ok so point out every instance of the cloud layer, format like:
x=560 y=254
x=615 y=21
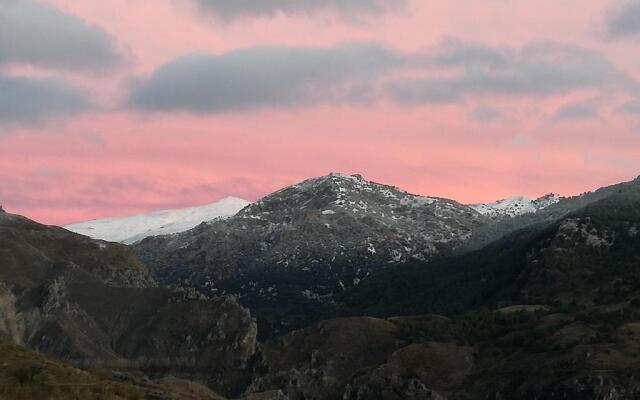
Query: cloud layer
x=229 y=10
x=37 y=34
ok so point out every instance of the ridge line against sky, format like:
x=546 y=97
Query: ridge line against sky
x=104 y=112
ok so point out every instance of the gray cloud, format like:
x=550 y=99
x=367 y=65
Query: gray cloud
x=265 y=77
x=576 y=111
x=26 y=101
x=459 y=70
x=37 y=34
x=229 y=10
x=630 y=107
x=454 y=71
x=625 y=20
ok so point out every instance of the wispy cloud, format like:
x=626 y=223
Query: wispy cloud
x=534 y=70
x=576 y=111
x=630 y=107
x=624 y=20
x=485 y=113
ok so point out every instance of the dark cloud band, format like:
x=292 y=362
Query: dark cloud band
x=265 y=77
x=625 y=20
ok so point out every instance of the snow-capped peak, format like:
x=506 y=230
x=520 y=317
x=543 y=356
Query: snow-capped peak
x=516 y=205
x=135 y=228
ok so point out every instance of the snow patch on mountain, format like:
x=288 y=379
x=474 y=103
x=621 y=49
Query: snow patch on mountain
x=516 y=205
x=135 y=228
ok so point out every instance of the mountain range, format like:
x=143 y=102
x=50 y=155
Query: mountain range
x=338 y=287
x=131 y=229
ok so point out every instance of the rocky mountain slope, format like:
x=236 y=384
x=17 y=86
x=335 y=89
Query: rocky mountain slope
x=599 y=235
x=287 y=254
x=93 y=303
x=134 y=228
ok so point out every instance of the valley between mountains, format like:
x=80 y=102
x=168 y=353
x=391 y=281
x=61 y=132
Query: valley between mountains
x=334 y=288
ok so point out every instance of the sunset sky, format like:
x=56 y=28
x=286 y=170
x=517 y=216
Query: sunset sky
x=110 y=108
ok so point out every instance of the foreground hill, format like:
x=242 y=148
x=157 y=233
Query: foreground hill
x=286 y=255
x=92 y=302
x=134 y=228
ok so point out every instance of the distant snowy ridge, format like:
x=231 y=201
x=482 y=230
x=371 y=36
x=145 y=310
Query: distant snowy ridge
x=516 y=205
x=135 y=228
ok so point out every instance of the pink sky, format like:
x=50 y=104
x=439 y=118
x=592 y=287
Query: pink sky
x=115 y=160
